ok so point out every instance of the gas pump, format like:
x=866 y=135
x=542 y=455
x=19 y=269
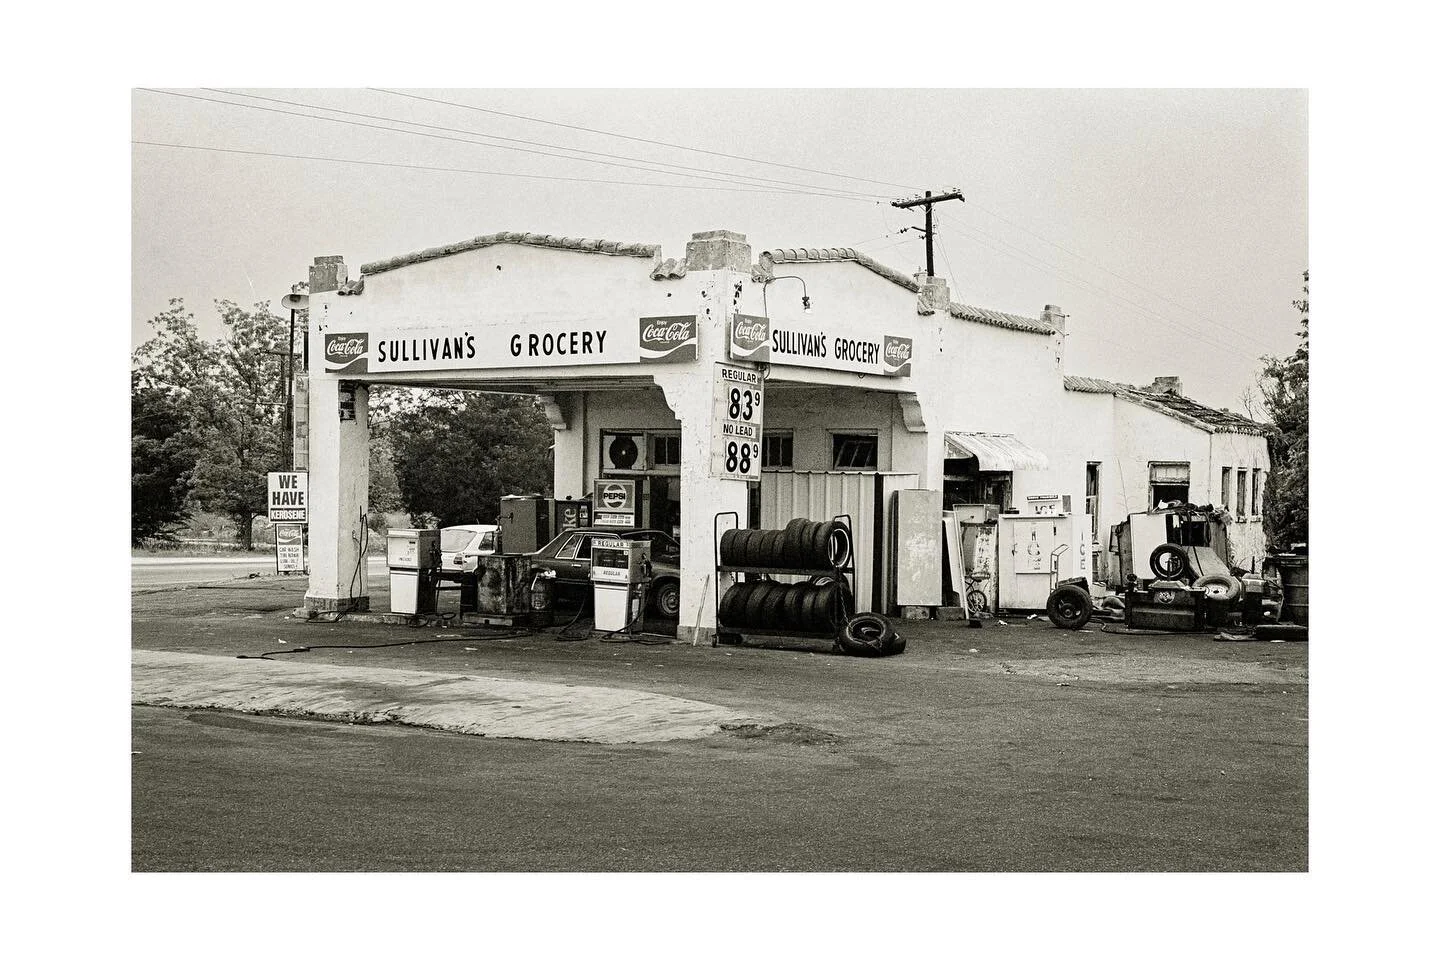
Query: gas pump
x=413 y=557
x=619 y=573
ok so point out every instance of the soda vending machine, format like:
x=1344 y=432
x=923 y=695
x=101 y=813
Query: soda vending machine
x=1036 y=552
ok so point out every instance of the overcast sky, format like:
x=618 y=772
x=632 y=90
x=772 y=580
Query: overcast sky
x=1170 y=225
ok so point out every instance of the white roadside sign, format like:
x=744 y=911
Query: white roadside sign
x=289 y=548
x=737 y=423
x=287 y=497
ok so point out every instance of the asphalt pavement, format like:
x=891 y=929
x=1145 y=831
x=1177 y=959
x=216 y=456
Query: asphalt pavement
x=1015 y=748
x=161 y=571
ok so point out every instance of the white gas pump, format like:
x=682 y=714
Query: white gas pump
x=619 y=573
x=413 y=557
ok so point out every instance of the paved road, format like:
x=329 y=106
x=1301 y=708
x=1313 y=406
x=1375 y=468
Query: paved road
x=166 y=571
x=1019 y=749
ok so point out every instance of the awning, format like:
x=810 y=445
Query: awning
x=996 y=451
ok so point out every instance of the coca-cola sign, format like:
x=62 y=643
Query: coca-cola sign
x=898 y=351
x=667 y=339
x=750 y=338
x=347 y=352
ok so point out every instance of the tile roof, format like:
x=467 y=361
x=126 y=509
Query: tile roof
x=1172 y=405
x=608 y=247
x=1009 y=321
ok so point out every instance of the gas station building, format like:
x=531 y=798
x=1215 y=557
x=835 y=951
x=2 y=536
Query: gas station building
x=792 y=382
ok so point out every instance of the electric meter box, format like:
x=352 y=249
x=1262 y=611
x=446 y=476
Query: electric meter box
x=613 y=560
x=413 y=550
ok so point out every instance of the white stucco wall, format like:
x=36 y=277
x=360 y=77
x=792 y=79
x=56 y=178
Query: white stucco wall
x=966 y=376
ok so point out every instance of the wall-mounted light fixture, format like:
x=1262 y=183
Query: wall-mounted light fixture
x=804 y=293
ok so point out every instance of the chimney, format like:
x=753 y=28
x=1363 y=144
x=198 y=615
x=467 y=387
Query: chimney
x=718 y=250
x=328 y=273
x=933 y=295
x=1056 y=320
x=1167 y=385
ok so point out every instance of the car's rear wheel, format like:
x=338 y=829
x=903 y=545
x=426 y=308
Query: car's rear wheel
x=667 y=598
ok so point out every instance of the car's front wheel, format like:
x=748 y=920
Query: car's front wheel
x=667 y=598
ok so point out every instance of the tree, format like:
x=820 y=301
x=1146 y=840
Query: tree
x=456 y=454
x=1285 y=388
x=232 y=394
x=162 y=462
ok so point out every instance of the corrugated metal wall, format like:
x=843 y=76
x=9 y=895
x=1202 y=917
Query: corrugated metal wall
x=785 y=495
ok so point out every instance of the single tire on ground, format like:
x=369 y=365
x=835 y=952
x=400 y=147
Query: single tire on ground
x=869 y=635
x=1170 y=562
x=1069 y=607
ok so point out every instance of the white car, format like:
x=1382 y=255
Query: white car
x=462 y=547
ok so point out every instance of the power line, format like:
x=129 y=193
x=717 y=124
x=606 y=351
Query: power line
x=1031 y=260
x=437 y=136
x=1096 y=263
x=622 y=136
x=486 y=173
x=466 y=106
x=534 y=143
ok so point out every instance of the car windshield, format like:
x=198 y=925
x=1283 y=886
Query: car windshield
x=455 y=539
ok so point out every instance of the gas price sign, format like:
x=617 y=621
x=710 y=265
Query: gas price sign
x=739 y=412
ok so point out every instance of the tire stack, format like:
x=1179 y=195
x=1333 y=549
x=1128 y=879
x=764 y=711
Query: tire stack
x=802 y=545
x=803 y=607
x=822 y=605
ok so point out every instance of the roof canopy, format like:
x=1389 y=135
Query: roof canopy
x=996 y=451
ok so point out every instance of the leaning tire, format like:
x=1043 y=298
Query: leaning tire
x=1219 y=587
x=1169 y=562
x=1069 y=607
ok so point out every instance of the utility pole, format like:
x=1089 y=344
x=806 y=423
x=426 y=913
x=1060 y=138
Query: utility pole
x=295 y=300
x=928 y=202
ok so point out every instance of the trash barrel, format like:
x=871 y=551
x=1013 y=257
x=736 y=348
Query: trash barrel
x=1295 y=582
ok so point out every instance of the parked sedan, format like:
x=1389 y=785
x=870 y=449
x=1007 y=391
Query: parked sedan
x=461 y=548
x=568 y=555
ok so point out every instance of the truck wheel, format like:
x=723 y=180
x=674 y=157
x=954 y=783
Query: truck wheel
x=1069 y=607
x=1169 y=562
x=667 y=599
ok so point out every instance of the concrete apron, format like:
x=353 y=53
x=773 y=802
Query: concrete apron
x=482 y=706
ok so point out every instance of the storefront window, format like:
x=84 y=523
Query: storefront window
x=665 y=450
x=855 y=451
x=777 y=450
x=1169 y=482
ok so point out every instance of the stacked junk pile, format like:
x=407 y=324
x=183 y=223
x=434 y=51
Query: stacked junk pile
x=815 y=600
x=1174 y=575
